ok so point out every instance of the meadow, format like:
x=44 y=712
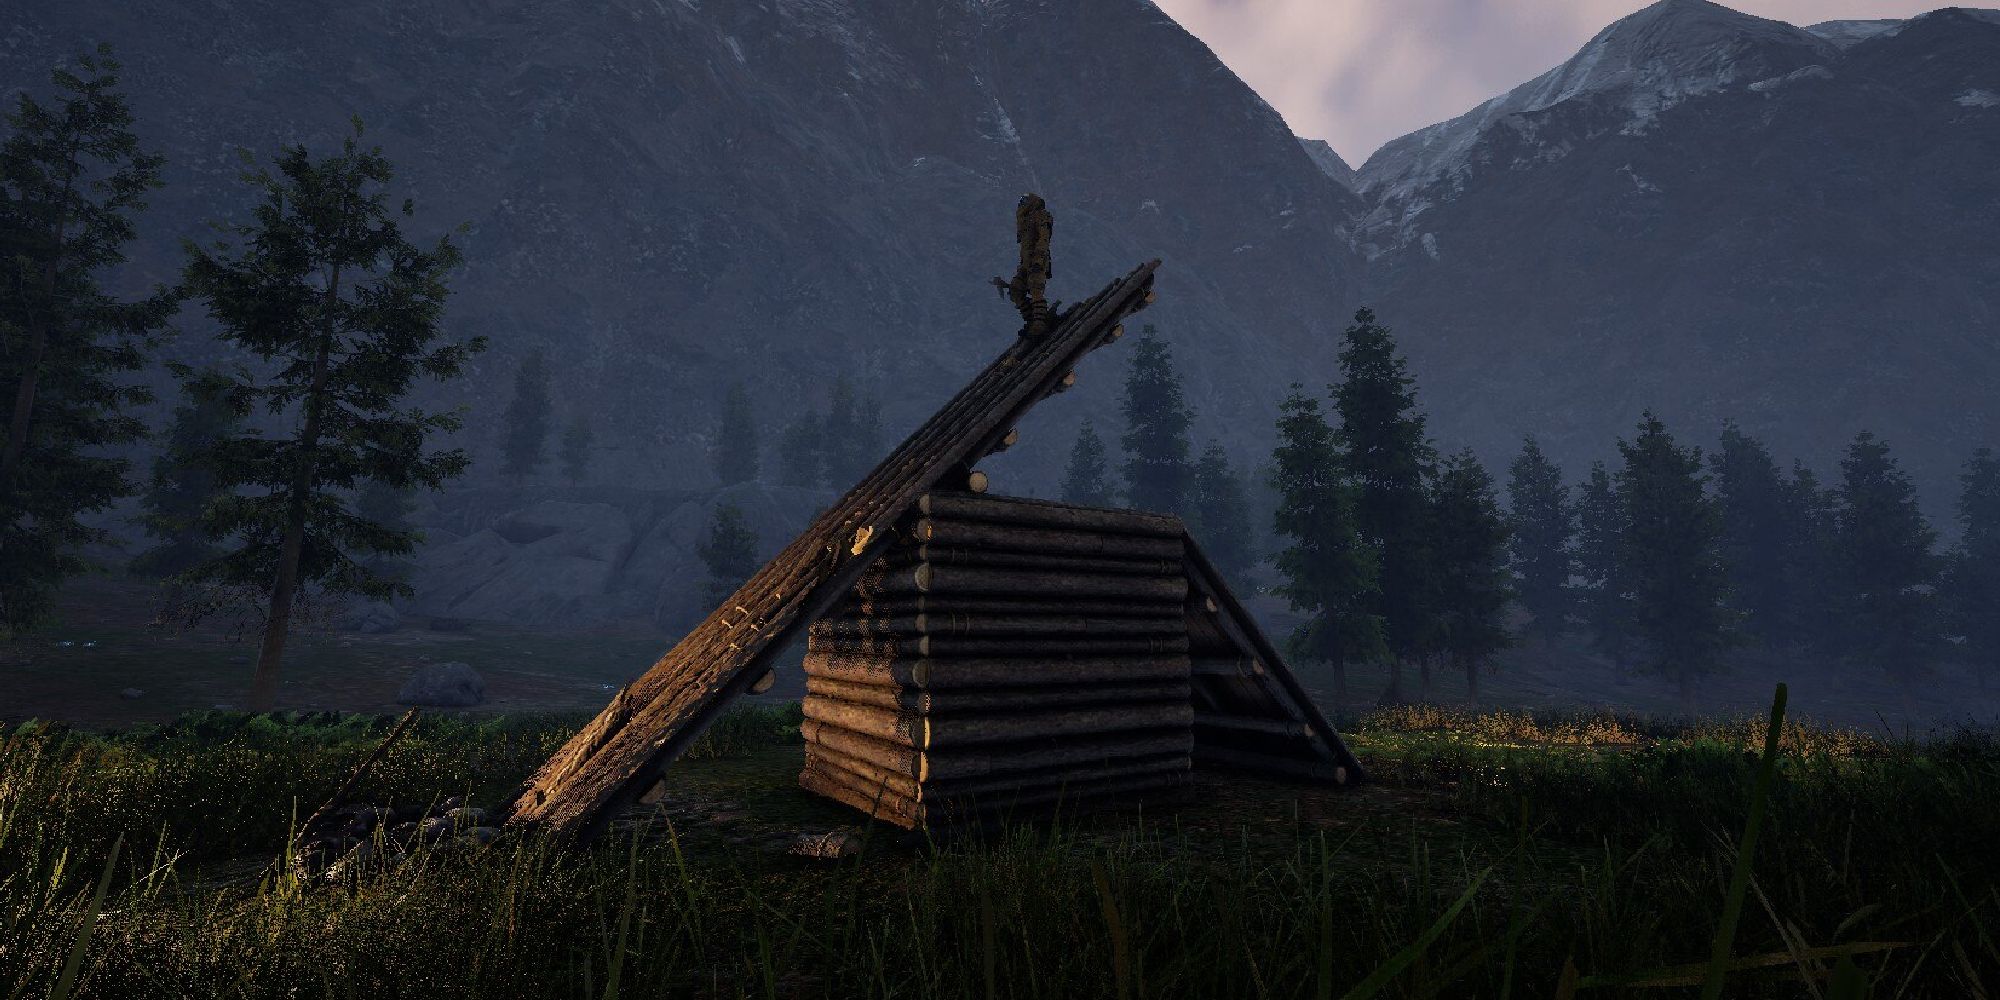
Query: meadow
x=1491 y=855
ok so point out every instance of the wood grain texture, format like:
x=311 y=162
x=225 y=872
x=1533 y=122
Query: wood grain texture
x=649 y=722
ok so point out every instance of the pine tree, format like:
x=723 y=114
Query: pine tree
x=1222 y=518
x=1542 y=524
x=344 y=311
x=1470 y=552
x=1670 y=557
x=1809 y=564
x=1084 y=481
x=527 y=420
x=729 y=552
x=1158 y=476
x=389 y=508
x=839 y=435
x=734 y=450
x=182 y=488
x=1385 y=451
x=1329 y=571
x=577 y=442
x=72 y=176
x=1886 y=568
x=1603 y=596
x=1756 y=535
x=799 y=457
x=1974 y=584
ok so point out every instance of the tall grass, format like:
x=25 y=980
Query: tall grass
x=1481 y=864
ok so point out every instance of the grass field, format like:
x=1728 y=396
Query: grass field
x=1492 y=856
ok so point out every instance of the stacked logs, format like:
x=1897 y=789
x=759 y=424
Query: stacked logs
x=1005 y=654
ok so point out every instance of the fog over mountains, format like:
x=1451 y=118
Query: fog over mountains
x=1702 y=212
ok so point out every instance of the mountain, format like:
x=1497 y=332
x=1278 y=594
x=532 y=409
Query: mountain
x=671 y=194
x=1714 y=216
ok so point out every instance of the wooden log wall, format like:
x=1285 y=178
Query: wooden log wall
x=1004 y=655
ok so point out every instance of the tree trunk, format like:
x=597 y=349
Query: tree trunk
x=38 y=348
x=1685 y=682
x=278 y=623
x=1339 y=682
x=1472 y=678
x=1394 y=694
x=1424 y=678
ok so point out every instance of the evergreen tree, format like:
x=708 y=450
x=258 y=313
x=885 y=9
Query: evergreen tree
x=729 y=552
x=1222 y=518
x=839 y=436
x=1886 y=566
x=734 y=451
x=344 y=311
x=389 y=508
x=799 y=459
x=1670 y=557
x=1541 y=523
x=1085 y=481
x=72 y=176
x=1757 y=532
x=1329 y=570
x=1158 y=476
x=1974 y=584
x=182 y=487
x=1809 y=564
x=1384 y=450
x=1470 y=551
x=577 y=442
x=1601 y=524
x=527 y=420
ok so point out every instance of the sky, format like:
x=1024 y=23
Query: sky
x=1358 y=73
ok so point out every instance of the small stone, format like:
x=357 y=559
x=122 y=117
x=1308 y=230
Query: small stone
x=837 y=844
x=130 y=693
x=466 y=816
x=482 y=835
x=435 y=829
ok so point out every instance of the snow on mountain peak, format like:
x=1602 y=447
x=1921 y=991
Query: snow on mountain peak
x=1641 y=64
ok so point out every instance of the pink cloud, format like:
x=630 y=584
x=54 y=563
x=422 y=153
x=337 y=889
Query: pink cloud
x=1361 y=72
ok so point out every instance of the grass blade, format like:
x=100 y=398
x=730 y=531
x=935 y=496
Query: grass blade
x=74 y=963
x=1739 y=880
x=1411 y=952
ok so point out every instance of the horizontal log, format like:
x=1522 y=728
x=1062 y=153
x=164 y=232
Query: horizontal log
x=912 y=699
x=904 y=605
x=951 y=646
x=1249 y=724
x=888 y=806
x=941 y=675
x=930 y=578
x=1205 y=666
x=1047 y=541
x=952 y=763
x=1001 y=784
x=1113 y=563
x=925 y=731
x=1310 y=768
x=1046 y=514
x=995 y=625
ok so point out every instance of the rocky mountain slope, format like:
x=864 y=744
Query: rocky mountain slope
x=1716 y=216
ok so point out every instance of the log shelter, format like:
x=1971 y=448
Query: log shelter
x=969 y=653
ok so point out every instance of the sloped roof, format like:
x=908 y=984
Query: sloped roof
x=652 y=720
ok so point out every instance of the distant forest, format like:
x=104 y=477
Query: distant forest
x=293 y=476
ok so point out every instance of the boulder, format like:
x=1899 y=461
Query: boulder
x=374 y=618
x=548 y=564
x=444 y=685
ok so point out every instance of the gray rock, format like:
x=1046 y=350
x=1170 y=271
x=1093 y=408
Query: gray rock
x=375 y=618
x=837 y=844
x=444 y=685
x=551 y=563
